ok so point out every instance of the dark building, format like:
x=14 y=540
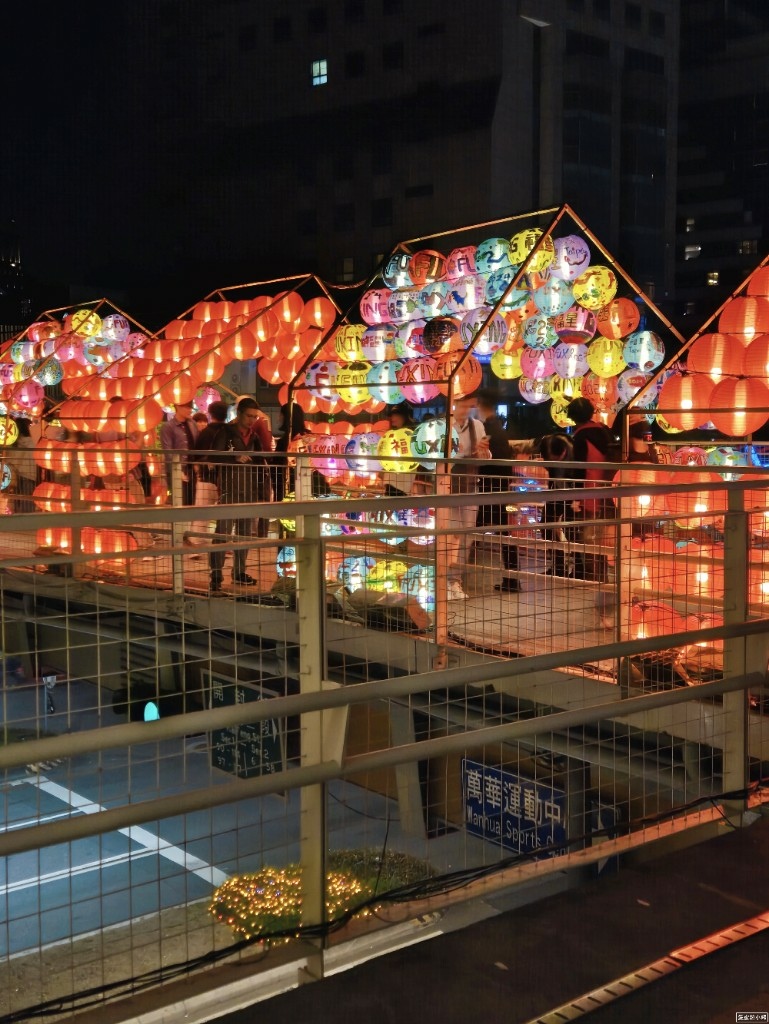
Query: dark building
x=723 y=172
x=15 y=298
x=280 y=138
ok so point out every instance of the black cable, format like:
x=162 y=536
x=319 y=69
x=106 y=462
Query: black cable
x=437 y=885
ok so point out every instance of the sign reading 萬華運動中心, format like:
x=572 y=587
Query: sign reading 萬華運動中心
x=520 y=814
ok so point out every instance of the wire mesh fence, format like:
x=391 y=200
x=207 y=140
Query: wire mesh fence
x=407 y=701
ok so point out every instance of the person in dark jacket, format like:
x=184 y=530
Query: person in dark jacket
x=592 y=442
x=495 y=476
x=236 y=455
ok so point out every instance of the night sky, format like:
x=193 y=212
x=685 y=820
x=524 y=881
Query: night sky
x=93 y=200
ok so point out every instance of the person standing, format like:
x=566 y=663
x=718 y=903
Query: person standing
x=494 y=477
x=592 y=442
x=237 y=455
x=464 y=480
x=20 y=458
x=178 y=436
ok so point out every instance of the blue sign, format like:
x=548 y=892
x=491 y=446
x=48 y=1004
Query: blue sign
x=521 y=815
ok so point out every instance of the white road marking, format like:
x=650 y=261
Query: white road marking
x=137 y=834
x=77 y=869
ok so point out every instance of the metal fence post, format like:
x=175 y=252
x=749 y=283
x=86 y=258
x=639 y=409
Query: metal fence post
x=311 y=608
x=735 y=706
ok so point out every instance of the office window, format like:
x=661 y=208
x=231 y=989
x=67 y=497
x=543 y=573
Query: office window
x=748 y=247
x=307 y=222
x=317 y=19
x=281 y=30
x=355 y=64
x=320 y=72
x=354 y=10
x=392 y=55
x=656 y=24
x=712 y=278
x=418 y=191
x=381 y=213
x=633 y=16
x=691 y=252
x=344 y=216
x=347 y=270
x=248 y=37
x=690 y=224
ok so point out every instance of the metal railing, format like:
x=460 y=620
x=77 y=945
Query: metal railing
x=345 y=725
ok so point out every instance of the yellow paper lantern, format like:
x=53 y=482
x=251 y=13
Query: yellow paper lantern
x=522 y=243
x=595 y=287
x=605 y=356
x=394 y=451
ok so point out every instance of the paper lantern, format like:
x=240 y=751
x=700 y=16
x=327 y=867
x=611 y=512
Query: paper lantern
x=437 y=335
x=605 y=356
x=484 y=330
x=319 y=312
x=319 y=379
x=400 y=305
x=682 y=392
x=651 y=505
x=492 y=254
x=719 y=355
x=27 y=396
x=563 y=389
x=85 y=322
x=137 y=417
x=648 y=620
x=288 y=308
x=537 y=363
x=54 y=455
x=328 y=455
x=241 y=344
x=417 y=378
x=569 y=360
x=382 y=382
x=350 y=383
x=207 y=368
x=467 y=375
x=52 y=497
x=346 y=341
x=595 y=287
x=429 y=440
x=433 y=298
x=408 y=340
x=539 y=332
x=745 y=317
x=629 y=383
x=264 y=327
x=601 y=391
x=460 y=262
x=506 y=365
x=618 y=318
x=690 y=455
x=360 y=452
x=426 y=266
x=115 y=327
x=724 y=457
x=696 y=506
x=373 y=306
x=498 y=289
x=56 y=538
x=754 y=361
x=395 y=273
x=553 y=297
x=394 y=451
x=352 y=572
x=178 y=390
x=534 y=391
x=644 y=350
x=522 y=244
x=739 y=406
x=571 y=256
x=576 y=326
x=377 y=343
x=43 y=330
x=466 y=293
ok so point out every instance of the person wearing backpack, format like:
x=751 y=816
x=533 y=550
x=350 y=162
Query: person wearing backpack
x=594 y=444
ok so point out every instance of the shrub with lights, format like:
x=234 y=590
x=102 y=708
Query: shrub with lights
x=267 y=905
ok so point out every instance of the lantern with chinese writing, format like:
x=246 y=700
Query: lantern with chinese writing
x=394 y=451
x=522 y=245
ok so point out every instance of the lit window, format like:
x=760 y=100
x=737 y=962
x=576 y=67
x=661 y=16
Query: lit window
x=691 y=252
x=319 y=72
x=348 y=269
x=712 y=277
x=690 y=223
x=748 y=247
